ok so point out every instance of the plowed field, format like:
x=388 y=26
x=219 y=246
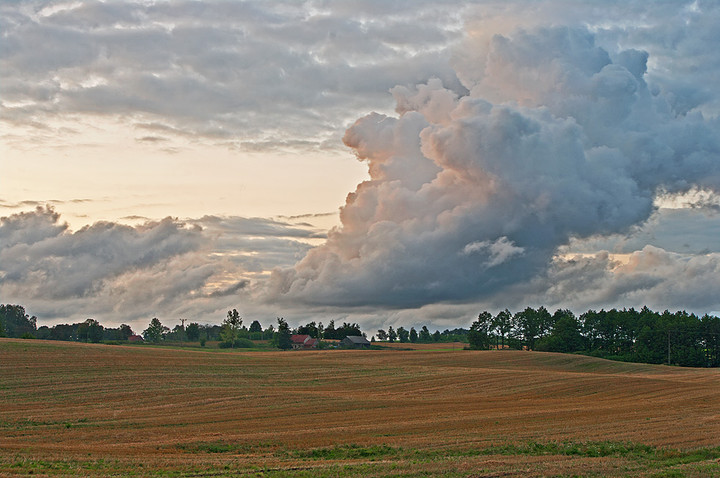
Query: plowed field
x=98 y=410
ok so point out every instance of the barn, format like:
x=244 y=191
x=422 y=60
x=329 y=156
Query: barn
x=355 y=342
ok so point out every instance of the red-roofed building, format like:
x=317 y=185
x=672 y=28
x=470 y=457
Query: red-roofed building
x=301 y=341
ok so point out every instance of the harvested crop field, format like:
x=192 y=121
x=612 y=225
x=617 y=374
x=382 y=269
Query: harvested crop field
x=97 y=410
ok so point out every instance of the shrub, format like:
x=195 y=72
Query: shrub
x=240 y=343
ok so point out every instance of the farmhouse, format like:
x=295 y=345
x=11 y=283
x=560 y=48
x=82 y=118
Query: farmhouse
x=355 y=342
x=300 y=341
x=135 y=338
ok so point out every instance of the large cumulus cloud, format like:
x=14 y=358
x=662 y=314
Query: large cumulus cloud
x=559 y=138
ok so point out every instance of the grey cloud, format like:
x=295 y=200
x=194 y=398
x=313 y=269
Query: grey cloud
x=555 y=141
x=58 y=263
x=118 y=273
x=29 y=228
x=231 y=290
x=310 y=215
x=254 y=73
x=255 y=227
x=651 y=276
x=684 y=231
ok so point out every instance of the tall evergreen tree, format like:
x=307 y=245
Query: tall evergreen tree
x=392 y=335
x=413 y=335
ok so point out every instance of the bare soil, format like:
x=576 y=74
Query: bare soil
x=98 y=410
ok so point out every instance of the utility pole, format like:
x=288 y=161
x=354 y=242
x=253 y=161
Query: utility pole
x=668 y=346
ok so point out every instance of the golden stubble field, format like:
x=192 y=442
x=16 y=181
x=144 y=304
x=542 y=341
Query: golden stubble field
x=98 y=410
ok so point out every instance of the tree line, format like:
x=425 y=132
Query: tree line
x=629 y=335
x=231 y=333
x=632 y=335
x=403 y=335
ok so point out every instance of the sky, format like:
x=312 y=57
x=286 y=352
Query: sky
x=385 y=163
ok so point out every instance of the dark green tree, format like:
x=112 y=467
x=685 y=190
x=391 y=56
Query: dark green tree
x=43 y=333
x=95 y=332
x=155 y=332
x=530 y=324
x=255 y=326
x=479 y=335
x=283 y=334
x=347 y=329
x=382 y=335
x=565 y=337
x=392 y=335
x=177 y=334
x=503 y=324
x=193 y=331
x=310 y=329
x=424 y=335
x=710 y=326
x=231 y=328
x=63 y=332
x=126 y=331
x=403 y=335
x=413 y=335
x=330 y=332
x=90 y=331
x=15 y=322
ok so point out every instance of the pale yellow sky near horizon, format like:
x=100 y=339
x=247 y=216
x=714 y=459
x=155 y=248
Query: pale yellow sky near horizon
x=134 y=180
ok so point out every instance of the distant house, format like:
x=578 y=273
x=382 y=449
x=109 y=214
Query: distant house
x=355 y=342
x=301 y=341
x=135 y=338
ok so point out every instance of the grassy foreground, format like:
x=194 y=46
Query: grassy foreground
x=70 y=409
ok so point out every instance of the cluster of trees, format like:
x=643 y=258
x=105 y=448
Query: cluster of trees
x=631 y=335
x=403 y=335
x=14 y=322
x=319 y=331
x=231 y=333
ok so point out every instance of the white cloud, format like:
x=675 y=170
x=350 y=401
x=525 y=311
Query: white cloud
x=499 y=251
x=555 y=141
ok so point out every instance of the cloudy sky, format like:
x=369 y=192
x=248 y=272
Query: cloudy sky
x=389 y=163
